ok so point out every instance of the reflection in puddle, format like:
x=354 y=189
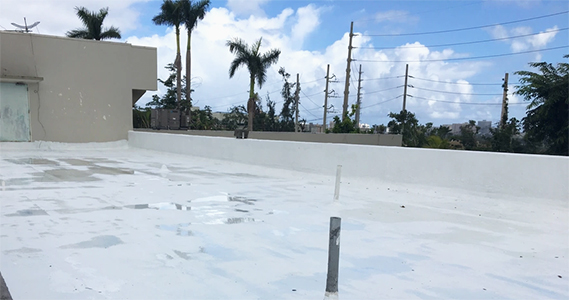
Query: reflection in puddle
x=110 y=171
x=28 y=212
x=33 y=161
x=241 y=199
x=76 y=162
x=183 y=255
x=230 y=221
x=160 y=206
x=102 y=241
x=178 y=229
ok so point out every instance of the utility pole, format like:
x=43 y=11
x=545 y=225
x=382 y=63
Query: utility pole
x=347 y=87
x=504 y=114
x=359 y=102
x=405 y=97
x=297 y=98
x=326 y=98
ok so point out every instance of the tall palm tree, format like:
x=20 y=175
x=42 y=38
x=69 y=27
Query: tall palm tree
x=171 y=15
x=256 y=63
x=192 y=12
x=93 y=22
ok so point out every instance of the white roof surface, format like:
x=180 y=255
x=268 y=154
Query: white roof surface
x=126 y=223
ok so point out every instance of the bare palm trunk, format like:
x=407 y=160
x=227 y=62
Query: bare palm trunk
x=178 y=69
x=251 y=104
x=189 y=75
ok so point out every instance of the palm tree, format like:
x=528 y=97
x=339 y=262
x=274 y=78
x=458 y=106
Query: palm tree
x=256 y=63
x=93 y=22
x=171 y=15
x=192 y=12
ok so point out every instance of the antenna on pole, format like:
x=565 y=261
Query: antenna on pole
x=25 y=27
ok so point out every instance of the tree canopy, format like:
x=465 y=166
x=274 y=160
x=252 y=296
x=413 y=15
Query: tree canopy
x=257 y=65
x=93 y=22
x=545 y=124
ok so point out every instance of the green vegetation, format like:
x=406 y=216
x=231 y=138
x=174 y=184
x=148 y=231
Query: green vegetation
x=93 y=22
x=545 y=125
x=256 y=63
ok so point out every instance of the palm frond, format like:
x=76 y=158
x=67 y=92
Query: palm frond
x=239 y=61
x=78 y=34
x=236 y=45
x=111 y=33
x=193 y=12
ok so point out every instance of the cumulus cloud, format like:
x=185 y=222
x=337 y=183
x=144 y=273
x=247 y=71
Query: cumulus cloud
x=531 y=42
x=398 y=16
x=288 y=30
x=58 y=17
x=247 y=7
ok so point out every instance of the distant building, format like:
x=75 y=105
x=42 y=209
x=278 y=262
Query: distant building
x=484 y=127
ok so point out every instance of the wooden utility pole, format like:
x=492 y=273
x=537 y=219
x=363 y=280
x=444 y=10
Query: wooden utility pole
x=359 y=102
x=405 y=98
x=504 y=114
x=348 y=67
x=326 y=98
x=297 y=98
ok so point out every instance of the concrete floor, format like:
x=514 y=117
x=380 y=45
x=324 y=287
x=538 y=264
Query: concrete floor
x=136 y=224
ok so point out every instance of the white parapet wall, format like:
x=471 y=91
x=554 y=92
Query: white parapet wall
x=536 y=176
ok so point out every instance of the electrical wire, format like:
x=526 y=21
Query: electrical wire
x=380 y=78
x=422 y=12
x=388 y=89
x=308 y=98
x=306 y=110
x=465 y=43
x=465 y=103
x=468 y=28
x=459 y=83
x=456 y=93
x=462 y=58
x=375 y=104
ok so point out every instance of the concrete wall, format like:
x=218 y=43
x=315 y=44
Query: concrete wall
x=513 y=174
x=356 y=139
x=79 y=90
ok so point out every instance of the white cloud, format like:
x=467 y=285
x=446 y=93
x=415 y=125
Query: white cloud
x=58 y=17
x=531 y=42
x=247 y=7
x=397 y=16
x=288 y=31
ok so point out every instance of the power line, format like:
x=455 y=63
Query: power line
x=306 y=110
x=463 y=58
x=308 y=98
x=456 y=93
x=467 y=103
x=467 y=28
x=459 y=83
x=466 y=43
x=421 y=12
x=388 y=89
x=380 y=78
x=382 y=102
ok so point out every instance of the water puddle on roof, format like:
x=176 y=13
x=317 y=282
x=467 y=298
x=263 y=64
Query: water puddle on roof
x=160 y=206
x=33 y=161
x=27 y=213
x=102 y=241
x=230 y=221
x=179 y=229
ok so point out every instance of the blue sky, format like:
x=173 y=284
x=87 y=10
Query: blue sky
x=312 y=34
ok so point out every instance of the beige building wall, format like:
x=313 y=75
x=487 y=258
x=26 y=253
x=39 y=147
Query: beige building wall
x=334 y=138
x=79 y=90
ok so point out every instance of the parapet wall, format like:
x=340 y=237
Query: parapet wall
x=485 y=172
x=343 y=138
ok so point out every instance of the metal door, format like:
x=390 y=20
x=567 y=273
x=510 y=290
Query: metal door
x=14 y=113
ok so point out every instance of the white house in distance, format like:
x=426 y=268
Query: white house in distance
x=70 y=90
